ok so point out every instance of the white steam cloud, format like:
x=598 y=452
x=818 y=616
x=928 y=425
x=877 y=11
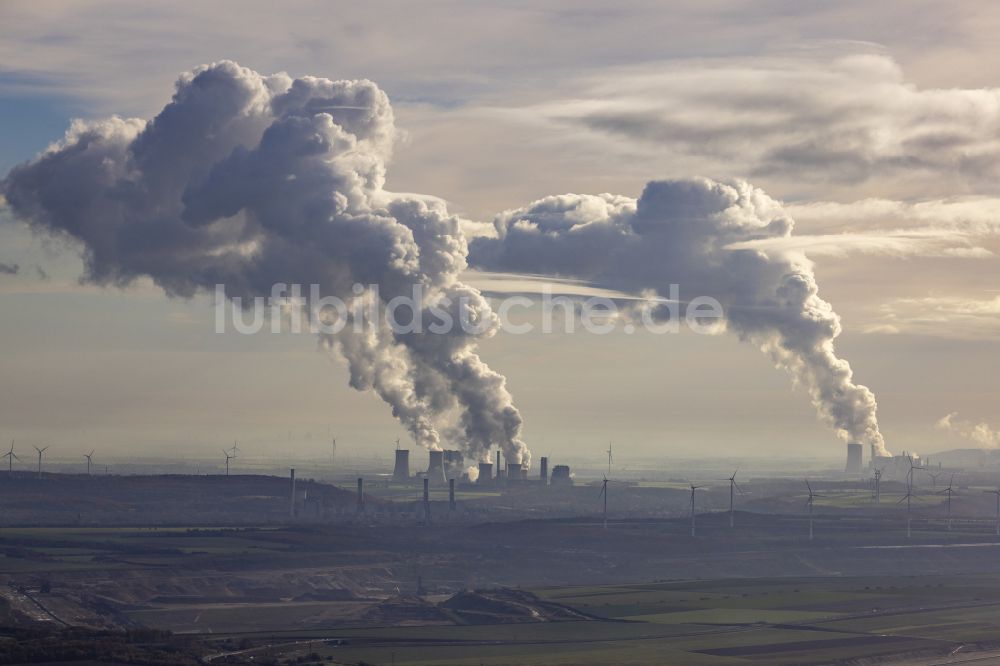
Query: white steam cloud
x=248 y=180
x=690 y=233
x=980 y=433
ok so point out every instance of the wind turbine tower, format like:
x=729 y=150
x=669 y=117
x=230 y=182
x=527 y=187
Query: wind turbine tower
x=908 y=497
x=40 y=452
x=809 y=503
x=89 y=457
x=733 y=488
x=11 y=457
x=604 y=494
x=228 y=458
x=878 y=486
x=949 y=492
x=693 y=488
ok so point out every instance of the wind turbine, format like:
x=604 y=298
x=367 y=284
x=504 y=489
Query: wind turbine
x=934 y=478
x=234 y=448
x=333 y=450
x=40 y=452
x=809 y=503
x=609 y=458
x=693 y=488
x=228 y=458
x=89 y=456
x=949 y=492
x=11 y=457
x=733 y=487
x=878 y=485
x=997 y=493
x=908 y=497
x=604 y=494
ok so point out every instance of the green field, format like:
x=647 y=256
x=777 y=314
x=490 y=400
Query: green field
x=774 y=621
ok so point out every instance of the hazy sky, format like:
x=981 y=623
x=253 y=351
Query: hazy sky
x=876 y=124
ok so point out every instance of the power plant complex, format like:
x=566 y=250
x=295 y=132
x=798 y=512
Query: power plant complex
x=447 y=467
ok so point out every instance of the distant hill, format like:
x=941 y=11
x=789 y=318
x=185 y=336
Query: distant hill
x=167 y=499
x=966 y=458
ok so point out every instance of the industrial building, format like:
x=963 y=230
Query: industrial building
x=561 y=476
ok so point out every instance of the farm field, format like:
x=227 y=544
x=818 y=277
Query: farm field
x=763 y=621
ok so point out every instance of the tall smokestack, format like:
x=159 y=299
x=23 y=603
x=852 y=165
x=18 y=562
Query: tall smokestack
x=435 y=468
x=291 y=508
x=401 y=472
x=853 y=458
x=485 y=474
x=451 y=494
x=499 y=468
x=544 y=475
x=361 y=495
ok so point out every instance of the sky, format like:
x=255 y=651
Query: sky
x=875 y=125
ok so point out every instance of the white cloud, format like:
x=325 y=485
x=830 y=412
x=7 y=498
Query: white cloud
x=980 y=433
x=896 y=243
x=849 y=121
x=943 y=316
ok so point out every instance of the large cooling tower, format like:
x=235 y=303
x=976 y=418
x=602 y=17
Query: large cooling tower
x=514 y=472
x=853 y=458
x=435 y=468
x=401 y=472
x=485 y=474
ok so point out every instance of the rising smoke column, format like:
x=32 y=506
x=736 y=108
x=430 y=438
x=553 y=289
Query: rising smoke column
x=686 y=232
x=247 y=180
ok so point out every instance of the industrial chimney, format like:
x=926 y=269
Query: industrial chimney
x=499 y=468
x=361 y=495
x=401 y=472
x=545 y=471
x=435 y=468
x=853 y=458
x=485 y=474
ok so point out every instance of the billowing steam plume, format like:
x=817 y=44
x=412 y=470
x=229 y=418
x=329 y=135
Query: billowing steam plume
x=684 y=233
x=248 y=180
x=980 y=433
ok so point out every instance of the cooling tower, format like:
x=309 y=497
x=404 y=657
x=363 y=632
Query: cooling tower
x=435 y=468
x=485 y=474
x=853 y=458
x=544 y=475
x=401 y=472
x=514 y=472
